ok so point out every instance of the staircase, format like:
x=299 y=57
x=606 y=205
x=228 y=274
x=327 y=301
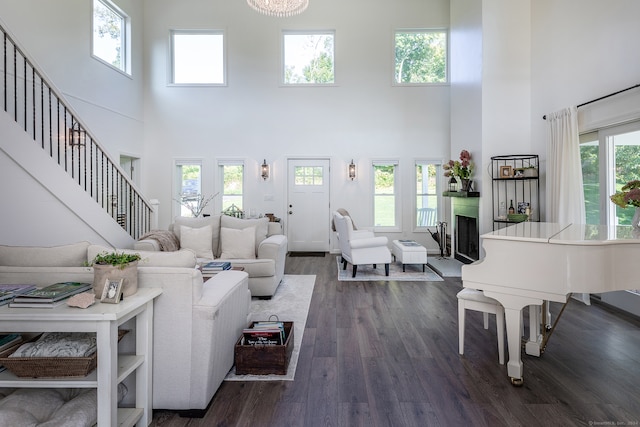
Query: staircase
x=41 y=112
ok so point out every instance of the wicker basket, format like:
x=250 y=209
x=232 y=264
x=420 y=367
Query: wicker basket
x=51 y=367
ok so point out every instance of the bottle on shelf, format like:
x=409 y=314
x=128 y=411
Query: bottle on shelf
x=511 y=209
x=502 y=211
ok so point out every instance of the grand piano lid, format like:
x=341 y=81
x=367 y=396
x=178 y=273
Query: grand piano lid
x=528 y=231
x=587 y=234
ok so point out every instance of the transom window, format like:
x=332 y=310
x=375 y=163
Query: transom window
x=109 y=38
x=420 y=57
x=197 y=57
x=308 y=58
x=308 y=175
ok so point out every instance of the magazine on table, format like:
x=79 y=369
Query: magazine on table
x=52 y=293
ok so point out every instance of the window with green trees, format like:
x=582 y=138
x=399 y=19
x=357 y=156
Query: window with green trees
x=308 y=58
x=427 y=193
x=188 y=177
x=232 y=177
x=109 y=38
x=385 y=194
x=420 y=57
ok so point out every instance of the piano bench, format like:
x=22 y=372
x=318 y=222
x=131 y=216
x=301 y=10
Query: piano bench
x=471 y=299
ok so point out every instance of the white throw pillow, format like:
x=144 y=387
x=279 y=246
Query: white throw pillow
x=198 y=240
x=238 y=243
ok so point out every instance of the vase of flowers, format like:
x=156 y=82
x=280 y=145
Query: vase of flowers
x=462 y=169
x=629 y=195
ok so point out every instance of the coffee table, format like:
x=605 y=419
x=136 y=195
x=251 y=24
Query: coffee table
x=409 y=252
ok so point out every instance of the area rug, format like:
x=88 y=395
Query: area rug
x=291 y=304
x=413 y=272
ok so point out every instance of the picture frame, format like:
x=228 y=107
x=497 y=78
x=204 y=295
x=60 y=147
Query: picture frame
x=518 y=173
x=112 y=291
x=506 y=171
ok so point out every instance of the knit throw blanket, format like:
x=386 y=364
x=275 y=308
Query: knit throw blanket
x=166 y=239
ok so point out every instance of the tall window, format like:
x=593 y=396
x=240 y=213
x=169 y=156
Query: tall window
x=610 y=159
x=109 y=39
x=427 y=193
x=308 y=58
x=421 y=57
x=197 y=57
x=385 y=204
x=189 y=184
x=232 y=178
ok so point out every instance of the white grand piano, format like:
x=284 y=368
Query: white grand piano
x=530 y=263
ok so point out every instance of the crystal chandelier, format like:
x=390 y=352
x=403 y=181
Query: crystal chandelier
x=279 y=8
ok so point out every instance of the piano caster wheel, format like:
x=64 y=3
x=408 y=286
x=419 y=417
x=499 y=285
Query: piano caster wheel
x=516 y=382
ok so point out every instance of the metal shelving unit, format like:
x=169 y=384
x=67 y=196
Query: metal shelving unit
x=515 y=178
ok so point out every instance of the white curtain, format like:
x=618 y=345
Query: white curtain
x=564 y=173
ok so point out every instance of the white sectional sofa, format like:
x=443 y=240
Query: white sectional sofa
x=195 y=323
x=257 y=245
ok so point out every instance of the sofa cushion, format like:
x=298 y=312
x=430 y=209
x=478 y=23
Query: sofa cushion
x=213 y=220
x=198 y=240
x=238 y=243
x=181 y=258
x=73 y=255
x=261 y=226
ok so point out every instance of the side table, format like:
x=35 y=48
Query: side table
x=103 y=319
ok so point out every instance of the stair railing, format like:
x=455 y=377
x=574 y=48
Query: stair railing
x=41 y=111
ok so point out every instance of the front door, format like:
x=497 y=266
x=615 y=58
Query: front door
x=308 y=212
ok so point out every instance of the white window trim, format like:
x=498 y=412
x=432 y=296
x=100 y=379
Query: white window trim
x=220 y=185
x=176 y=182
x=282 y=58
x=396 y=193
x=447 y=81
x=171 y=83
x=126 y=36
x=439 y=191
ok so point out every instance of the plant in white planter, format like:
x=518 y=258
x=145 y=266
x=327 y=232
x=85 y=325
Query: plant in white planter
x=113 y=266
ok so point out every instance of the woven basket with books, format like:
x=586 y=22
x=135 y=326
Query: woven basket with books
x=50 y=367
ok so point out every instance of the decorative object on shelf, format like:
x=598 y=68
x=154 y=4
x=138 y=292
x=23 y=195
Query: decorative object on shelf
x=279 y=8
x=82 y=300
x=462 y=169
x=530 y=172
x=233 y=211
x=195 y=204
x=112 y=292
x=629 y=195
x=453 y=184
x=264 y=170
x=466 y=185
x=113 y=266
x=352 y=170
x=511 y=208
x=506 y=172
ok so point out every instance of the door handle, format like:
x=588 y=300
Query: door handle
x=290 y=212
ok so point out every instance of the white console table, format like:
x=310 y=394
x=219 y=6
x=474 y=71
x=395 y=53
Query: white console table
x=103 y=319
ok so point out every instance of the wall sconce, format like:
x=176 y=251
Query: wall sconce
x=77 y=136
x=352 y=170
x=264 y=170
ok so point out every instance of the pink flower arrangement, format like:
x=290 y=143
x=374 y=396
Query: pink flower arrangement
x=462 y=168
x=628 y=196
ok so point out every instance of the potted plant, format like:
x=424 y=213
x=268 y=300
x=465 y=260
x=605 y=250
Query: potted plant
x=115 y=265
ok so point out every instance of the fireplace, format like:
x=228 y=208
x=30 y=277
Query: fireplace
x=466 y=236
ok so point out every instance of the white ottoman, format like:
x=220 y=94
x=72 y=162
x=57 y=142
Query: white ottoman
x=409 y=252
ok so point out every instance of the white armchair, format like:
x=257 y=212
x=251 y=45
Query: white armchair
x=360 y=247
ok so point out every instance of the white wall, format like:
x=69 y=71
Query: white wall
x=56 y=36
x=362 y=117
x=580 y=50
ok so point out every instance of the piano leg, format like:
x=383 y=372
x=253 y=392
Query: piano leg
x=534 y=344
x=513 y=305
x=514 y=366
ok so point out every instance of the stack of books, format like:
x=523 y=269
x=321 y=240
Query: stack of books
x=264 y=333
x=214 y=267
x=50 y=296
x=9 y=292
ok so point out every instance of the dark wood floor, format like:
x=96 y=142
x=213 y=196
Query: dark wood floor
x=386 y=354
